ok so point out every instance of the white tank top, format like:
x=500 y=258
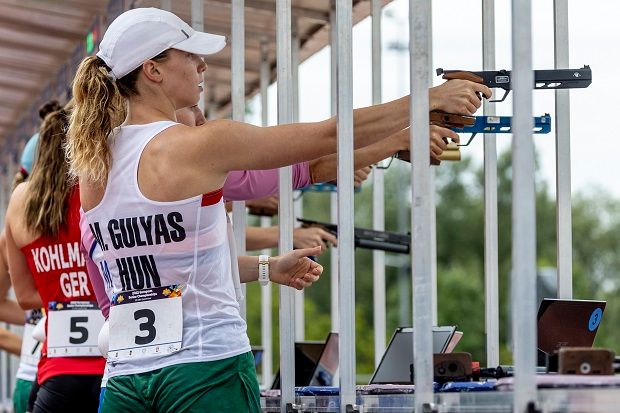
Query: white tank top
x=149 y=244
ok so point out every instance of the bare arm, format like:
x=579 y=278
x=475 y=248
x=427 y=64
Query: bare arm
x=10 y=311
x=218 y=147
x=21 y=277
x=325 y=168
x=257 y=238
x=276 y=146
x=10 y=342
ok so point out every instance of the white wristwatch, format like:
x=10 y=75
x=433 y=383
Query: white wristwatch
x=263 y=270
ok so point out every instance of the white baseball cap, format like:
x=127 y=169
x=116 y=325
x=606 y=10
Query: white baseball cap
x=141 y=34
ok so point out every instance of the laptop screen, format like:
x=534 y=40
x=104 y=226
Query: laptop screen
x=327 y=367
x=308 y=354
x=563 y=323
x=394 y=367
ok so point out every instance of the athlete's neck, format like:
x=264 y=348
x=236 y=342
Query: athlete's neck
x=147 y=109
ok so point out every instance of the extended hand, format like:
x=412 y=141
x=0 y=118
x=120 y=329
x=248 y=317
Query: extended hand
x=439 y=137
x=457 y=96
x=295 y=269
x=309 y=237
x=360 y=176
x=269 y=203
x=438 y=141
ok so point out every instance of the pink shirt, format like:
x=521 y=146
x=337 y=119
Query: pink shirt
x=239 y=186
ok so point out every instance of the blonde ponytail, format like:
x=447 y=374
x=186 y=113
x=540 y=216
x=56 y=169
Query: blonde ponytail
x=99 y=108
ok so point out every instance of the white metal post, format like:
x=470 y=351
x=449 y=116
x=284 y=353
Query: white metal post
x=333 y=197
x=564 y=218
x=491 y=272
x=378 y=197
x=266 y=314
x=432 y=190
x=266 y=324
x=523 y=210
x=295 y=44
x=238 y=114
x=285 y=208
x=419 y=17
x=433 y=246
x=346 y=255
x=298 y=205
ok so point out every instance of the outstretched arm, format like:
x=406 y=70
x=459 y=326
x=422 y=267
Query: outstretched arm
x=325 y=168
x=258 y=238
x=271 y=147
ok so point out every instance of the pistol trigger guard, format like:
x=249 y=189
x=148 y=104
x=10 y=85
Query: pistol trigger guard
x=377 y=166
x=471 y=138
x=506 y=92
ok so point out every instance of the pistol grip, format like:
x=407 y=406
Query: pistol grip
x=404 y=156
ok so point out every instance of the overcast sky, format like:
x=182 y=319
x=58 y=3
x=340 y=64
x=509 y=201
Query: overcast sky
x=457 y=43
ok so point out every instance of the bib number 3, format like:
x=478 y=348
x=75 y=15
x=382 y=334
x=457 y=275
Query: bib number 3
x=148 y=326
x=146 y=322
x=73 y=328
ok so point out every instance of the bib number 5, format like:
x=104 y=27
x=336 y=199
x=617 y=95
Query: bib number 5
x=80 y=329
x=72 y=329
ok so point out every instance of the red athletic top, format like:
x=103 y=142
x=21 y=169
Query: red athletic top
x=59 y=272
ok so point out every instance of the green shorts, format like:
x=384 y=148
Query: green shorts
x=20 y=395
x=228 y=385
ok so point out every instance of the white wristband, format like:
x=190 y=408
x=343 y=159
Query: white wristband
x=263 y=269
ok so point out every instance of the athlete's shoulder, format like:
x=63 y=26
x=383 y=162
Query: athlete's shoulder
x=18 y=198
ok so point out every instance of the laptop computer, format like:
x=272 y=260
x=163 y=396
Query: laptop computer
x=567 y=323
x=394 y=367
x=315 y=361
x=327 y=367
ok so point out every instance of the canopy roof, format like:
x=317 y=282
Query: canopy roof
x=38 y=36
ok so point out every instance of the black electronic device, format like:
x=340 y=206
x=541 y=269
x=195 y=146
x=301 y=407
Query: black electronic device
x=316 y=363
